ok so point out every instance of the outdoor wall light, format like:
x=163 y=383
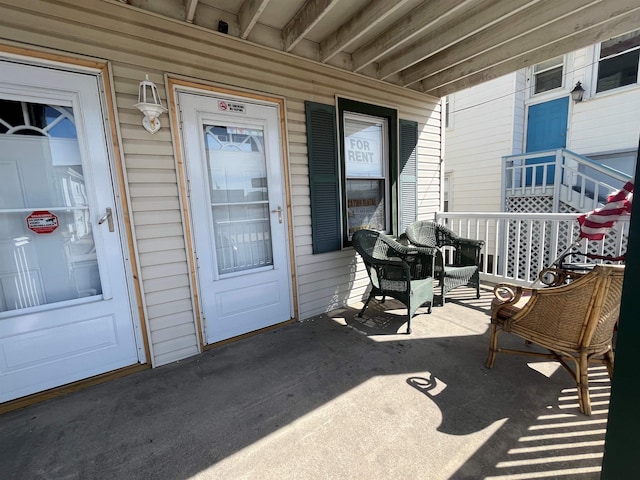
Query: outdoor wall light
x=577 y=93
x=150 y=105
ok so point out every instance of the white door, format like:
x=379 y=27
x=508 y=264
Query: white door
x=65 y=312
x=234 y=168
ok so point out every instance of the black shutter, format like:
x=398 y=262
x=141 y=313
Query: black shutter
x=408 y=173
x=324 y=184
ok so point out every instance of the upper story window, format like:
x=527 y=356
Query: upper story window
x=447 y=111
x=446 y=191
x=618 y=62
x=548 y=75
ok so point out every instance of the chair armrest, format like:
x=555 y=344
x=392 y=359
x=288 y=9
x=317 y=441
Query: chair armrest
x=553 y=277
x=421 y=260
x=469 y=242
x=445 y=236
x=466 y=252
x=410 y=249
x=390 y=268
x=508 y=293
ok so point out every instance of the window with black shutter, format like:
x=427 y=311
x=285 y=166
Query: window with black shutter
x=362 y=171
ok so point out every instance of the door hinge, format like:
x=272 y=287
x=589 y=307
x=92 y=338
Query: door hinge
x=180 y=117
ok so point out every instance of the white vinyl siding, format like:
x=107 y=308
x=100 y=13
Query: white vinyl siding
x=482 y=133
x=606 y=123
x=137 y=44
x=429 y=168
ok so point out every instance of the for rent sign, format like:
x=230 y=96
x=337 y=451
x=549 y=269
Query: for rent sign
x=363 y=150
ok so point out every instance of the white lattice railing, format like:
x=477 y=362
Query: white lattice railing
x=562 y=176
x=518 y=246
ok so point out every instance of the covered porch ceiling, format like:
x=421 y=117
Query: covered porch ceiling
x=432 y=46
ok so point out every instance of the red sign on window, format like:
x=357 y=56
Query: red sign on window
x=42 y=221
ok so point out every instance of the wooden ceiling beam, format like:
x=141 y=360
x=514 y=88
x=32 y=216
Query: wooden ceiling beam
x=364 y=21
x=248 y=16
x=190 y=9
x=587 y=27
x=509 y=30
x=453 y=32
x=305 y=20
x=408 y=28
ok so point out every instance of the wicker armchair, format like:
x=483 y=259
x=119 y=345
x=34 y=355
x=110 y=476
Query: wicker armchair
x=396 y=271
x=464 y=267
x=575 y=322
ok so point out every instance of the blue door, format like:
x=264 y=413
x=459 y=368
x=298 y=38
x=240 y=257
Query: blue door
x=546 y=129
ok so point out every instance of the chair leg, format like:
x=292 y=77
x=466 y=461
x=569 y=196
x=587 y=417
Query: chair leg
x=582 y=375
x=608 y=360
x=493 y=346
x=365 y=305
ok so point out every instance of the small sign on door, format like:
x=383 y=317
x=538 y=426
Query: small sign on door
x=42 y=221
x=225 y=106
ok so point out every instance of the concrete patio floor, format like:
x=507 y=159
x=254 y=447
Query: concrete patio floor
x=336 y=397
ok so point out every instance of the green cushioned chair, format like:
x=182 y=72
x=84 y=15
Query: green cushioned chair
x=464 y=266
x=401 y=272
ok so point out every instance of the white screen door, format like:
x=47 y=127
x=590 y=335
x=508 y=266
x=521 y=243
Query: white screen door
x=65 y=312
x=234 y=167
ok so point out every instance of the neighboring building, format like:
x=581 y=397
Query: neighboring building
x=532 y=110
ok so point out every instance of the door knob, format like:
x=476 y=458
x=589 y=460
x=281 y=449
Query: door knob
x=108 y=216
x=279 y=212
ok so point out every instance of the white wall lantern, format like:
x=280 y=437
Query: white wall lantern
x=150 y=105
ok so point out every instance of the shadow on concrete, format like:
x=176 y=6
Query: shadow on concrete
x=334 y=397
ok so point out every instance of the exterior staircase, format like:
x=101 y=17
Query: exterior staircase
x=557 y=181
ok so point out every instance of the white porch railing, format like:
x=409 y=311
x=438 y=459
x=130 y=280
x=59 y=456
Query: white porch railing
x=518 y=246
x=562 y=175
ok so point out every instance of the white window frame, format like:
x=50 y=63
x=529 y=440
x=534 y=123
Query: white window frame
x=447 y=112
x=596 y=70
x=384 y=160
x=533 y=76
x=447 y=191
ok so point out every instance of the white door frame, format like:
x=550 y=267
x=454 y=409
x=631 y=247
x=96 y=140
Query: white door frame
x=176 y=86
x=104 y=92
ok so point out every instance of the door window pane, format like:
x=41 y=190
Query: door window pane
x=236 y=165
x=47 y=250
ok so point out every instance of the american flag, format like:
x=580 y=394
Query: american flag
x=595 y=224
